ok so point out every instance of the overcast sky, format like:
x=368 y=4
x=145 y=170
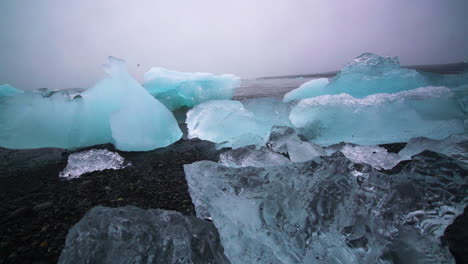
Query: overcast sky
x=62 y=44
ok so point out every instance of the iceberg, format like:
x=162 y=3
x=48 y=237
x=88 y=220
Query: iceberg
x=431 y=112
x=92 y=160
x=230 y=123
x=367 y=74
x=116 y=110
x=133 y=235
x=331 y=210
x=8 y=90
x=306 y=90
x=183 y=89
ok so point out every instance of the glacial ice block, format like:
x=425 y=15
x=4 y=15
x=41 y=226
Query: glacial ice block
x=331 y=210
x=231 y=124
x=367 y=74
x=133 y=235
x=380 y=118
x=116 y=110
x=306 y=90
x=92 y=160
x=179 y=89
x=8 y=90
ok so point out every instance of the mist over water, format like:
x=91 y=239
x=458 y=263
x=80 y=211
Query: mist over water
x=61 y=44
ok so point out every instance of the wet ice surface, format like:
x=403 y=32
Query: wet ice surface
x=92 y=160
x=331 y=210
x=133 y=235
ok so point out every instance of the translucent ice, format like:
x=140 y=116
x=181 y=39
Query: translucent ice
x=116 y=110
x=178 y=89
x=379 y=118
x=8 y=90
x=92 y=160
x=374 y=156
x=231 y=124
x=455 y=146
x=307 y=90
x=331 y=210
x=133 y=235
x=251 y=157
x=286 y=140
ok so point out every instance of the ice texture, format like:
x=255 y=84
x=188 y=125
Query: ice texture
x=285 y=140
x=306 y=90
x=231 y=124
x=178 y=89
x=133 y=235
x=251 y=157
x=379 y=118
x=455 y=146
x=116 y=110
x=92 y=160
x=331 y=210
x=8 y=90
x=375 y=156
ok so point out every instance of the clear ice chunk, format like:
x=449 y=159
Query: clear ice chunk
x=8 y=90
x=116 y=110
x=379 y=118
x=251 y=157
x=133 y=235
x=232 y=124
x=306 y=90
x=331 y=210
x=92 y=160
x=374 y=156
x=179 y=89
x=455 y=146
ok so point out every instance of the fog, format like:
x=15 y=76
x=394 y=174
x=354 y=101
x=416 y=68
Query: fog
x=62 y=44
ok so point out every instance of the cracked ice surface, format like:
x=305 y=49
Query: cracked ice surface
x=331 y=210
x=92 y=160
x=179 y=89
x=133 y=235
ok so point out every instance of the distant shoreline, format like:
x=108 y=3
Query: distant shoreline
x=449 y=68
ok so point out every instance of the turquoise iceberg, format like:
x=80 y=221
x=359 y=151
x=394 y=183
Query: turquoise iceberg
x=116 y=110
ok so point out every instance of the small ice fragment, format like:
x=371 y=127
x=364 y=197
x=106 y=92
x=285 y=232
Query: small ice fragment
x=375 y=156
x=92 y=160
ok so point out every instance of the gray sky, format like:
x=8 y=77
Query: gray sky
x=62 y=44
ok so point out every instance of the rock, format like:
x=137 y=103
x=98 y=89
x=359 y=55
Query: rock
x=42 y=206
x=21 y=212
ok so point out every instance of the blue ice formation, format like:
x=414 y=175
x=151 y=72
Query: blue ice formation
x=179 y=89
x=431 y=112
x=8 y=90
x=367 y=74
x=234 y=124
x=115 y=110
x=306 y=90
x=329 y=210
